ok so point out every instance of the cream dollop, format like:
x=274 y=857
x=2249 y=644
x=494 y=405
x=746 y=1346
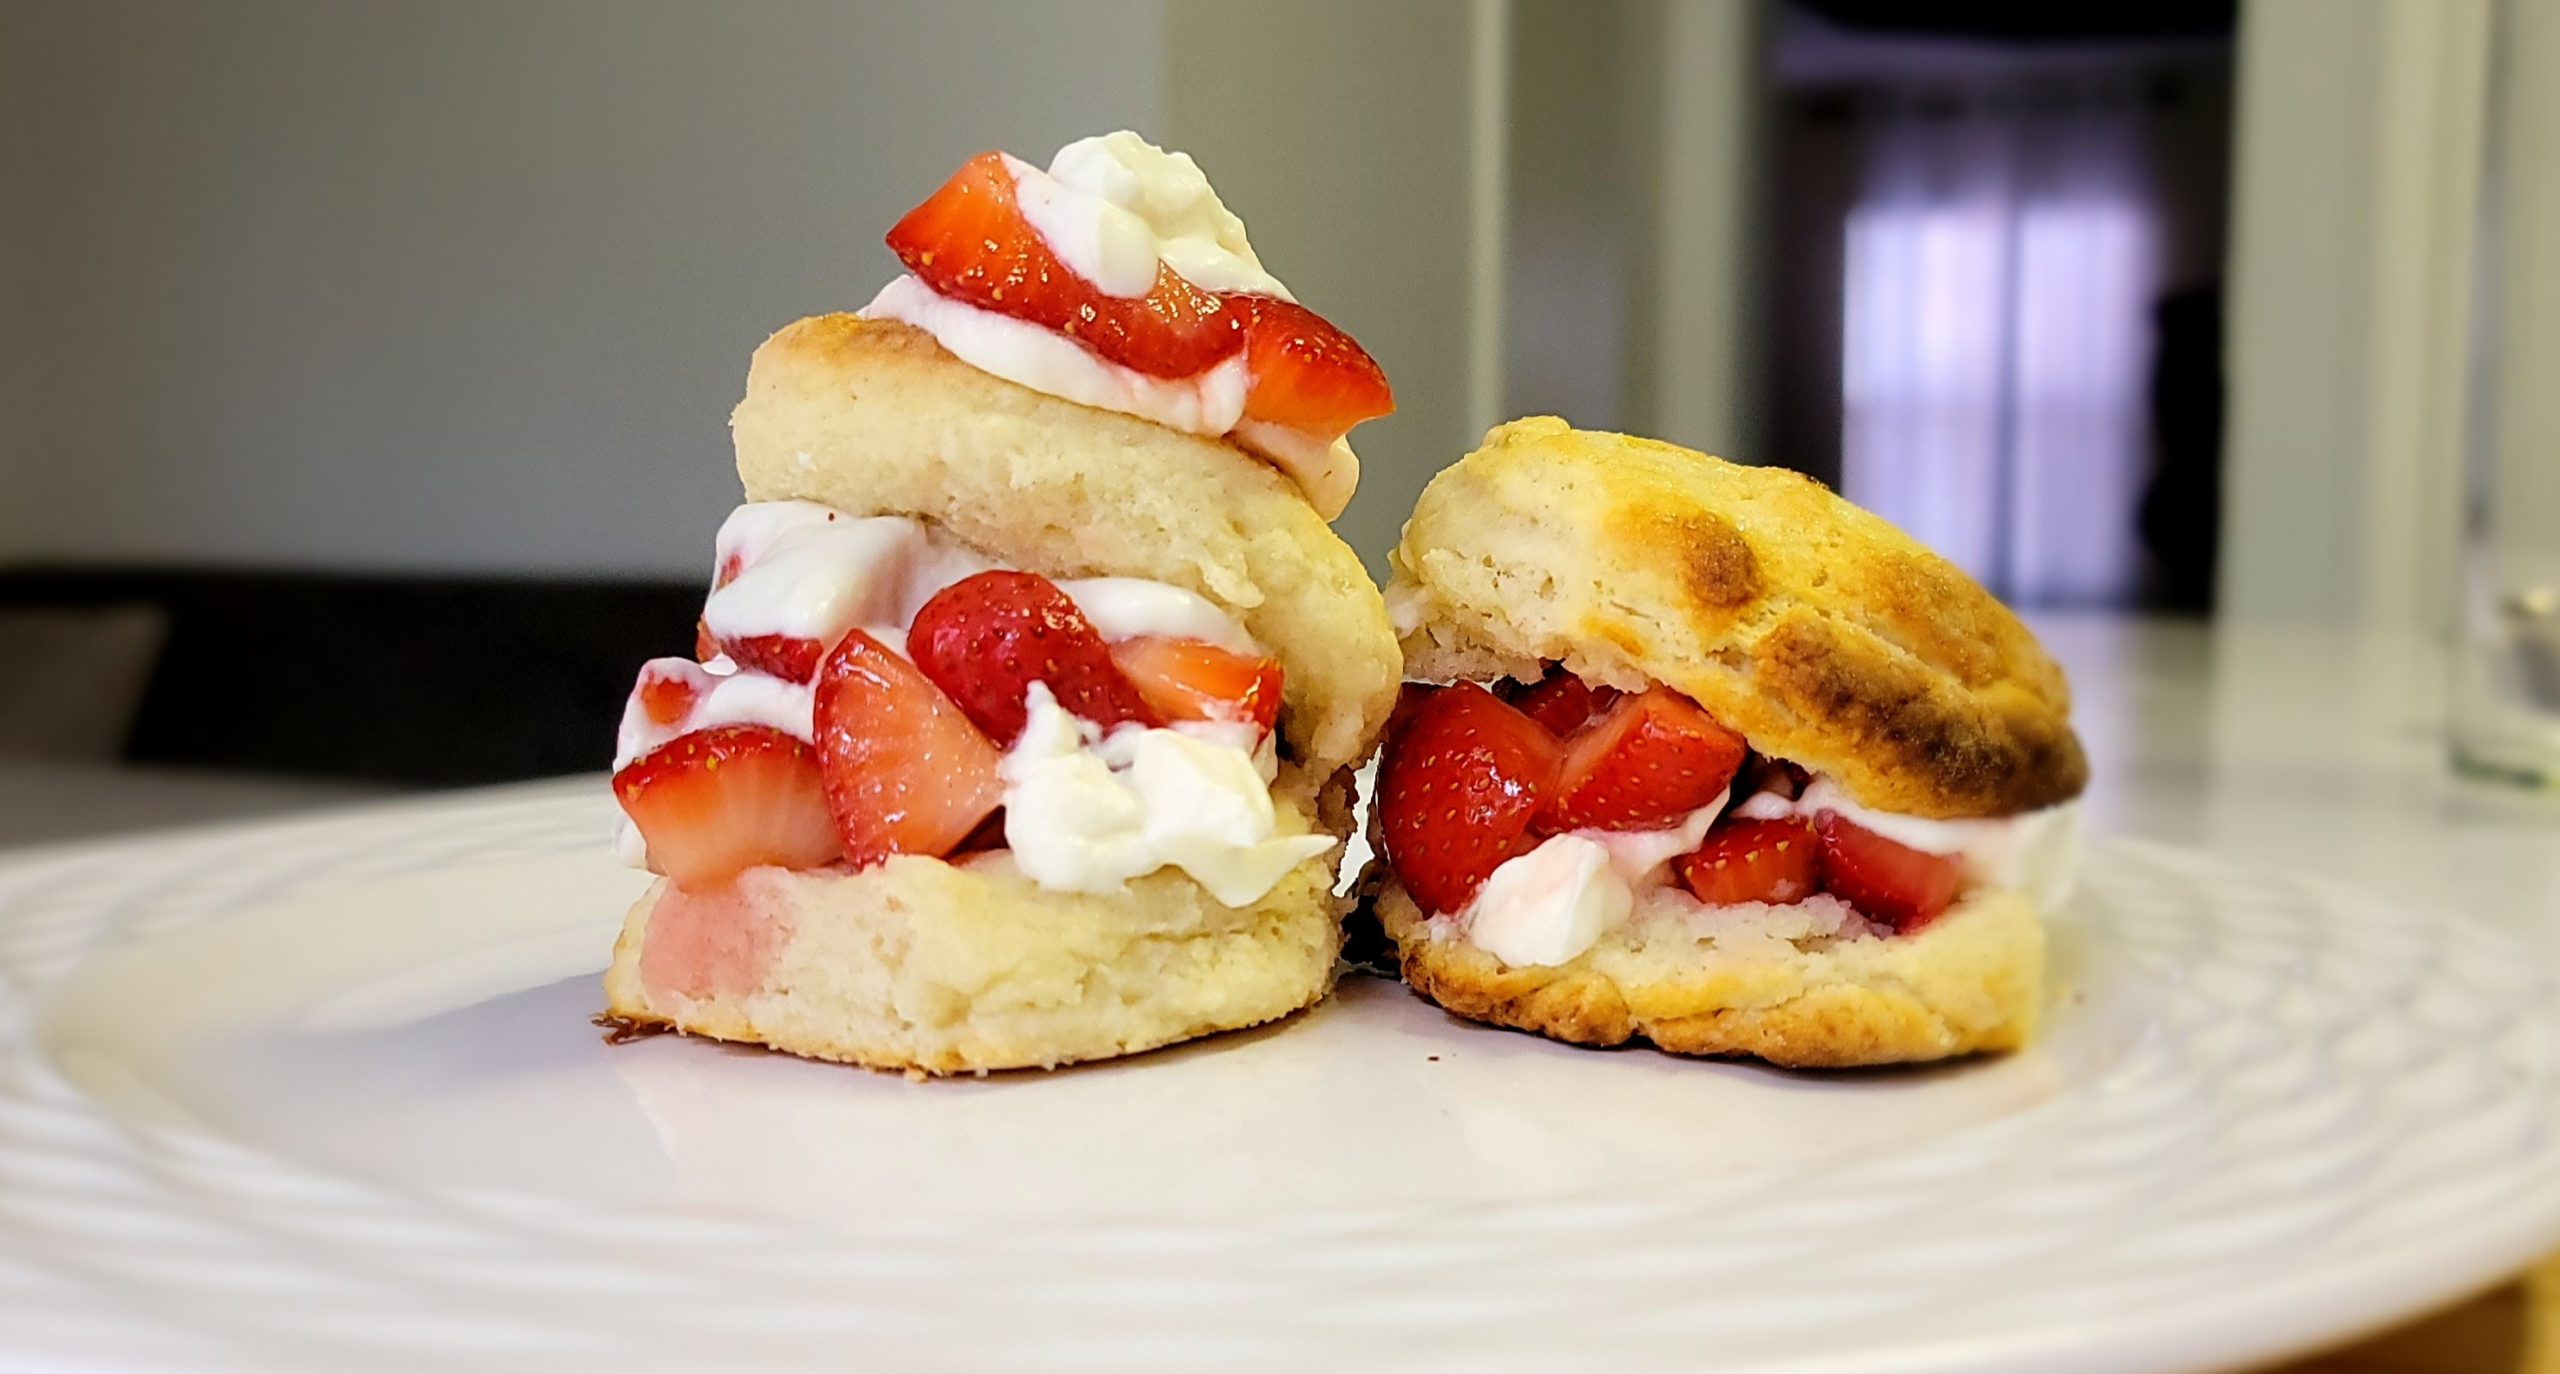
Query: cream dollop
x=1115 y=209
x=1087 y=811
x=1547 y=906
x=1200 y=790
x=2035 y=852
x=1114 y=206
x=1209 y=402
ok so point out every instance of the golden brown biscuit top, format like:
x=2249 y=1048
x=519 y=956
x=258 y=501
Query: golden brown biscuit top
x=1817 y=629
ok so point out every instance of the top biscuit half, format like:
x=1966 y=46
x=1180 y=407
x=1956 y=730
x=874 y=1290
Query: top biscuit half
x=1818 y=630
x=873 y=417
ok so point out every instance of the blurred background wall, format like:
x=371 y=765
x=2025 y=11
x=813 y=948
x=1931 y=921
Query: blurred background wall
x=468 y=285
x=414 y=326
x=472 y=285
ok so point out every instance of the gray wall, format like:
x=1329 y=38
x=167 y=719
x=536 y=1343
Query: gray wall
x=1357 y=197
x=468 y=284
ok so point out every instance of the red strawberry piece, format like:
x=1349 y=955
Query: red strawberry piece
x=1754 y=861
x=667 y=692
x=1190 y=679
x=1409 y=700
x=1885 y=880
x=715 y=802
x=970 y=242
x=730 y=567
x=1644 y=763
x=905 y=771
x=986 y=639
x=1304 y=373
x=782 y=656
x=1560 y=701
x=706 y=646
x=1457 y=791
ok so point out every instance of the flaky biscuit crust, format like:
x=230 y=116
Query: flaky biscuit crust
x=922 y=966
x=1818 y=630
x=873 y=417
x=1972 y=981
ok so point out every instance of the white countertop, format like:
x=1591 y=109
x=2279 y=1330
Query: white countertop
x=2306 y=749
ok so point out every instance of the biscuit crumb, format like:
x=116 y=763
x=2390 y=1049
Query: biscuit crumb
x=622 y=1030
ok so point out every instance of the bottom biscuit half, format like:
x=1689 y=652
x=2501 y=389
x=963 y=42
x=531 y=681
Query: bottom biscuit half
x=924 y=966
x=1972 y=981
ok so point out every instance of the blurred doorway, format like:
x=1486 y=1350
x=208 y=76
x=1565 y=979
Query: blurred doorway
x=1995 y=249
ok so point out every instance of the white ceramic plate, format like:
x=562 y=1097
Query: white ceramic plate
x=323 y=1095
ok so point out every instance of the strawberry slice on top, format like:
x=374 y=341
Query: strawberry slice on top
x=716 y=802
x=1459 y=786
x=1305 y=374
x=904 y=771
x=970 y=242
x=985 y=639
x=1643 y=764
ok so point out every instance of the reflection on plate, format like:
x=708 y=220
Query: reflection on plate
x=325 y=1093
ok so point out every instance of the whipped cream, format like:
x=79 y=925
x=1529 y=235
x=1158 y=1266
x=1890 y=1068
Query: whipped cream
x=1133 y=608
x=807 y=571
x=1114 y=206
x=1115 y=209
x=1547 y=906
x=2035 y=852
x=1209 y=402
x=1086 y=811
x=722 y=695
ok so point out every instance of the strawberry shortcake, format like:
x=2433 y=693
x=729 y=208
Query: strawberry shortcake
x=1704 y=755
x=1021 y=722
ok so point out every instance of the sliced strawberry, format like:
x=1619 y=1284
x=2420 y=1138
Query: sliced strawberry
x=1191 y=679
x=1457 y=791
x=970 y=242
x=718 y=801
x=1559 y=701
x=1885 y=880
x=1409 y=701
x=986 y=639
x=1644 y=763
x=1306 y=374
x=782 y=656
x=668 y=690
x=906 y=773
x=1754 y=861
x=730 y=567
x=706 y=647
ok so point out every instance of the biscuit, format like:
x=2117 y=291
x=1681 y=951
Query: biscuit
x=922 y=965
x=1817 y=630
x=873 y=417
x=1753 y=982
